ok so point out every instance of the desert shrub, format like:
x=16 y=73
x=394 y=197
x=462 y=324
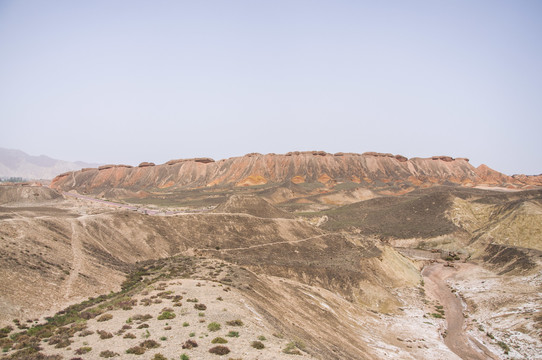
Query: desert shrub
x=219 y=340
x=504 y=346
x=149 y=344
x=185 y=324
x=104 y=334
x=159 y=356
x=108 y=354
x=192 y=334
x=145 y=302
x=257 y=345
x=143 y=326
x=195 y=300
x=165 y=294
x=86 y=333
x=233 y=334
x=214 y=326
x=291 y=349
x=166 y=315
x=200 y=307
x=83 y=350
x=53 y=340
x=167 y=328
x=141 y=318
x=185 y=357
x=136 y=350
x=262 y=338
x=5 y=330
x=65 y=342
x=189 y=344
x=219 y=350
x=129 y=336
x=126 y=327
x=6 y=343
x=105 y=317
x=163 y=338
x=234 y=323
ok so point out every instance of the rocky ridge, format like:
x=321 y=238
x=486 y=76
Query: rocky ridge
x=370 y=170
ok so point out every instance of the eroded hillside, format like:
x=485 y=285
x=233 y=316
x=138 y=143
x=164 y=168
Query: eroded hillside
x=331 y=281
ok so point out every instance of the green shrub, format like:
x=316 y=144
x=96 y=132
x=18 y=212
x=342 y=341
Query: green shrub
x=219 y=340
x=214 y=326
x=184 y=357
x=185 y=324
x=166 y=315
x=262 y=338
x=219 y=350
x=6 y=330
x=233 y=334
x=159 y=356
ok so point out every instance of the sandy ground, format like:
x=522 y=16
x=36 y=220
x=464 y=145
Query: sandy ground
x=189 y=323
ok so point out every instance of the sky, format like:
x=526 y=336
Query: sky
x=129 y=81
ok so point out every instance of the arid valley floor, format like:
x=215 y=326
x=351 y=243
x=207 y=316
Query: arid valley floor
x=106 y=263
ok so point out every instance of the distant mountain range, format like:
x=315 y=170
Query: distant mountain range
x=16 y=163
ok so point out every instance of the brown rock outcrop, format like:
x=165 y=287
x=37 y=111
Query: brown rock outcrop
x=146 y=164
x=443 y=158
x=198 y=160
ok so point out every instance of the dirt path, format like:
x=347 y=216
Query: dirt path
x=77 y=251
x=270 y=244
x=456 y=338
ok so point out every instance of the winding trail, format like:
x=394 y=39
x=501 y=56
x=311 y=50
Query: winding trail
x=271 y=243
x=456 y=339
x=77 y=261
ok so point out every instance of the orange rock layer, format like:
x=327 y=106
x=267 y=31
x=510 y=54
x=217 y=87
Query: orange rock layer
x=371 y=169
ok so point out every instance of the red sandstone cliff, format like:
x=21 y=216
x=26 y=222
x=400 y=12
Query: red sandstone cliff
x=370 y=169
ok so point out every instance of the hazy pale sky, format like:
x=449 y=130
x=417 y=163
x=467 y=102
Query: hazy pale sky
x=132 y=81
